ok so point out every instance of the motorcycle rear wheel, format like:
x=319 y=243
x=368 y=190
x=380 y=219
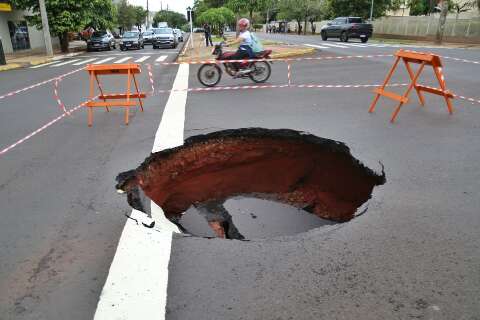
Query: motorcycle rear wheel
x=209 y=74
x=261 y=71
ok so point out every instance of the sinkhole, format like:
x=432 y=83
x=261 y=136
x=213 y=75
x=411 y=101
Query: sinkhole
x=252 y=183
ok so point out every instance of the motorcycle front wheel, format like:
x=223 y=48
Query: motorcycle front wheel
x=261 y=71
x=209 y=74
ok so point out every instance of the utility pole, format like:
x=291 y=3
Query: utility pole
x=148 y=17
x=46 y=28
x=371 y=12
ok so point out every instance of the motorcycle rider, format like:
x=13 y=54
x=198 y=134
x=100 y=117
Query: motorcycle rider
x=245 y=40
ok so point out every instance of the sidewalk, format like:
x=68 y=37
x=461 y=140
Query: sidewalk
x=200 y=52
x=26 y=59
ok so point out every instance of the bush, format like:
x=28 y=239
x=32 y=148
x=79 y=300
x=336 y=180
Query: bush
x=257 y=27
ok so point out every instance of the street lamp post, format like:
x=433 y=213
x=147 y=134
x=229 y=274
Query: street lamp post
x=190 y=18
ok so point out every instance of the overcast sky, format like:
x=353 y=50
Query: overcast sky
x=156 y=5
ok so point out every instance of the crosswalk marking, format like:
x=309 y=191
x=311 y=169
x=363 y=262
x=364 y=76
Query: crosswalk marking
x=65 y=62
x=356 y=45
x=104 y=60
x=43 y=65
x=84 y=61
x=123 y=60
x=161 y=58
x=315 y=46
x=142 y=59
x=334 y=45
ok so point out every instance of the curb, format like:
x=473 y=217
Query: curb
x=288 y=54
x=11 y=66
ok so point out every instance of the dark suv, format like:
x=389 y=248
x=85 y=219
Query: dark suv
x=101 y=40
x=346 y=28
x=130 y=40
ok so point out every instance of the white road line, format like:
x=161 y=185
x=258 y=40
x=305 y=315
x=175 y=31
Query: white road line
x=355 y=45
x=334 y=45
x=379 y=45
x=104 y=60
x=65 y=62
x=142 y=59
x=123 y=60
x=136 y=286
x=43 y=65
x=161 y=59
x=315 y=46
x=84 y=62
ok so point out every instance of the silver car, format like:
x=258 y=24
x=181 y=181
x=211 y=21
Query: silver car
x=164 y=38
x=179 y=34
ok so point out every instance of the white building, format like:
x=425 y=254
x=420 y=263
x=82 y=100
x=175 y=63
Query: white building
x=15 y=34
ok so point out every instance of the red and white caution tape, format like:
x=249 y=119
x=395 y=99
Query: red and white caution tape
x=211 y=61
x=42 y=128
x=461 y=60
x=150 y=77
x=276 y=86
x=57 y=97
x=12 y=93
x=289 y=71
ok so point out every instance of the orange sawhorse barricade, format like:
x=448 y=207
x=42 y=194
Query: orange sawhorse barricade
x=126 y=100
x=424 y=59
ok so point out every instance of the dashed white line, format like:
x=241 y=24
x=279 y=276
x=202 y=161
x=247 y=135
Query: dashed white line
x=136 y=286
x=84 y=61
x=65 y=62
x=104 y=60
x=123 y=60
x=161 y=59
x=43 y=65
x=334 y=45
x=315 y=46
x=142 y=59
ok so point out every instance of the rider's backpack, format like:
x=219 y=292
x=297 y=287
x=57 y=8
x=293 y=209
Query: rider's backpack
x=256 y=44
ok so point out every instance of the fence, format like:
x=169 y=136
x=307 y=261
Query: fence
x=417 y=27
x=426 y=27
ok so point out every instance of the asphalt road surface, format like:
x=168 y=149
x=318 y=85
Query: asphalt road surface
x=415 y=253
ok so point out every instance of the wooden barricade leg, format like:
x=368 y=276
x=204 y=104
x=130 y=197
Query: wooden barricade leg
x=441 y=80
x=390 y=73
x=101 y=90
x=127 y=108
x=412 y=76
x=92 y=93
x=138 y=92
x=405 y=95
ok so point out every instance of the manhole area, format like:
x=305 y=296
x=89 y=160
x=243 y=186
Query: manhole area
x=248 y=218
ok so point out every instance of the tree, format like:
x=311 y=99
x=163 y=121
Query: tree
x=126 y=15
x=301 y=11
x=140 y=16
x=360 y=8
x=217 y=17
x=246 y=5
x=462 y=6
x=174 y=19
x=66 y=16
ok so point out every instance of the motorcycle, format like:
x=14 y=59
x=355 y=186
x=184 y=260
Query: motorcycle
x=210 y=74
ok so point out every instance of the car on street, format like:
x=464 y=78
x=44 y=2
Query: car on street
x=101 y=40
x=131 y=40
x=147 y=37
x=164 y=38
x=346 y=28
x=179 y=34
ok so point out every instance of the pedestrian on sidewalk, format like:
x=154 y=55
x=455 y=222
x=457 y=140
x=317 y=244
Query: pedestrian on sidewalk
x=208 y=34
